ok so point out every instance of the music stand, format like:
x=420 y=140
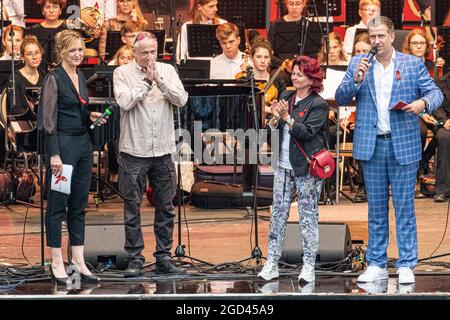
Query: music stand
x=237 y=11
x=319 y=8
x=103 y=74
x=202 y=40
x=352 y=12
x=439 y=11
x=400 y=36
x=393 y=9
x=5 y=72
x=302 y=37
x=113 y=44
x=194 y=69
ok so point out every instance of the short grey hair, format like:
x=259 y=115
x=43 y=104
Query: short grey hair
x=376 y=22
x=143 y=35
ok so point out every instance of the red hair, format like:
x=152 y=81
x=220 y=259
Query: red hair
x=310 y=67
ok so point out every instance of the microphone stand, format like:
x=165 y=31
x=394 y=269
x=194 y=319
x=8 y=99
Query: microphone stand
x=256 y=252
x=180 y=253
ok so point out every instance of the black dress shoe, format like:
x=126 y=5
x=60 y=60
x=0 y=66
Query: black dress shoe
x=167 y=267
x=60 y=281
x=87 y=278
x=440 y=197
x=134 y=269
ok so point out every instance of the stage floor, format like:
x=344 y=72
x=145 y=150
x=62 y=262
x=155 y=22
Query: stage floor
x=196 y=287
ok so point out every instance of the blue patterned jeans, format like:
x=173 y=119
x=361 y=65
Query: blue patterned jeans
x=308 y=189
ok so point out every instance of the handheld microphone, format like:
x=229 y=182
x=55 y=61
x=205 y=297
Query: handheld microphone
x=370 y=56
x=109 y=111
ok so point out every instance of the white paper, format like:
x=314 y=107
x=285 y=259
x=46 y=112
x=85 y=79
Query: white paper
x=331 y=83
x=62 y=183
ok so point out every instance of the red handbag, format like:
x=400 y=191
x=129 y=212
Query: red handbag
x=321 y=164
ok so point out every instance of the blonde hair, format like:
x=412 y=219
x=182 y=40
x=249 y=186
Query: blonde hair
x=363 y=3
x=196 y=15
x=65 y=40
x=332 y=36
x=138 y=13
x=122 y=51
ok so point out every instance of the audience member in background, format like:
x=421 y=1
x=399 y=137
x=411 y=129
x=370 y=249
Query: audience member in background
x=368 y=9
x=13 y=44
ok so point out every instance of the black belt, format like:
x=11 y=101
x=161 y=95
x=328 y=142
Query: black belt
x=386 y=136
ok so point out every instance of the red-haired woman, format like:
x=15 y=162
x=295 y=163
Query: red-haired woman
x=301 y=118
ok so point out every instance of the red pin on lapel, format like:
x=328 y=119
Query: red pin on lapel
x=398 y=75
x=84 y=102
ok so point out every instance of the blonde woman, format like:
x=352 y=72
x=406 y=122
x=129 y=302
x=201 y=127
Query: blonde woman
x=126 y=10
x=123 y=56
x=202 y=12
x=336 y=54
x=63 y=120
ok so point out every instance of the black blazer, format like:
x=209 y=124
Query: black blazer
x=310 y=117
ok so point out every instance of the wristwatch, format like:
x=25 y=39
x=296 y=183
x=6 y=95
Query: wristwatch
x=290 y=121
x=427 y=105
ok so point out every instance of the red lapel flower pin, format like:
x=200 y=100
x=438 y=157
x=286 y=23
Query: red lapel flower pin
x=398 y=75
x=84 y=102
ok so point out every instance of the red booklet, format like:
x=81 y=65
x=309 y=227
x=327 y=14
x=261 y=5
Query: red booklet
x=398 y=106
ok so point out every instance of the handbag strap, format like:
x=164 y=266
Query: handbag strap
x=308 y=159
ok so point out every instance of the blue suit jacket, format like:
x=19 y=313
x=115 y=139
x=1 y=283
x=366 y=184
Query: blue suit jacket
x=411 y=82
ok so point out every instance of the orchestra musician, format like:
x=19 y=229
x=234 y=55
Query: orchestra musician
x=336 y=54
x=106 y=7
x=296 y=11
x=123 y=56
x=46 y=30
x=11 y=44
x=362 y=44
x=128 y=34
x=126 y=10
x=227 y=64
x=368 y=10
x=202 y=12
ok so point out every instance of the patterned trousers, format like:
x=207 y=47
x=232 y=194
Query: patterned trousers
x=308 y=190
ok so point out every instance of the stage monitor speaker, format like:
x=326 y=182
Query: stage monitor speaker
x=104 y=245
x=335 y=243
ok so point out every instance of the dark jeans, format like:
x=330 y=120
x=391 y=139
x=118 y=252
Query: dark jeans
x=133 y=173
x=443 y=162
x=77 y=151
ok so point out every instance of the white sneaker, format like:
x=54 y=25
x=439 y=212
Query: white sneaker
x=373 y=273
x=307 y=273
x=405 y=275
x=269 y=271
x=270 y=287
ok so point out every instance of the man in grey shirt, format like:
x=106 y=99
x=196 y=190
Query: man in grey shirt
x=146 y=90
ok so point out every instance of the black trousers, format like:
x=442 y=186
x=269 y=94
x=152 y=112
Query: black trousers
x=443 y=162
x=76 y=151
x=133 y=174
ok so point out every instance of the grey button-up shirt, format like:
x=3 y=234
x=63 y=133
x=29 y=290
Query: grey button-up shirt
x=146 y=113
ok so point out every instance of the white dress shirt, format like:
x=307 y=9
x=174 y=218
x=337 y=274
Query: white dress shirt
x=384 y=79
x=350 y=37
x=182 y=48
x=224 y=68
x=146 y=113
x=107 y=7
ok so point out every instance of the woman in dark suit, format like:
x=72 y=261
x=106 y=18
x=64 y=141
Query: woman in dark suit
x=300 y=118
x=64 y=120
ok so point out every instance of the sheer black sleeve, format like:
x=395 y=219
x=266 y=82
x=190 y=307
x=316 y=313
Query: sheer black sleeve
x=48 y=114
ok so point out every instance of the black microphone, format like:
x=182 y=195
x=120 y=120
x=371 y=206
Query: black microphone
x=370 y=56
x=109 y=111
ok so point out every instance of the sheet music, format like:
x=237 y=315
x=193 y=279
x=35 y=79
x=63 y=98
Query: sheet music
x=331 y=83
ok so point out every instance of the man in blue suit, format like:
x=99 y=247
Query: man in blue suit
x=387 y=142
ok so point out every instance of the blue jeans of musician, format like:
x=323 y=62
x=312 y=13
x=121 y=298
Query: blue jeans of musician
x=308 y=190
